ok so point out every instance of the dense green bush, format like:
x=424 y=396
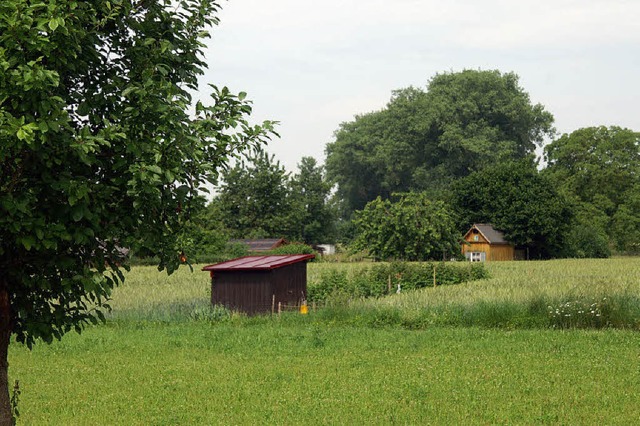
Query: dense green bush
x=293 y=248
x=383 y=279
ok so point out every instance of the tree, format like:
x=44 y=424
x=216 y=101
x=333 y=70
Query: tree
x=310 y=200
x=600 y=167
x=204 y=237
x=424 y=140
x=625 y=223
x=587 y=236
x=98 y=151
x=516 y=199
x=254 y=199
x=412 y=228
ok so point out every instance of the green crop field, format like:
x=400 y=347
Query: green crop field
x=491 y=351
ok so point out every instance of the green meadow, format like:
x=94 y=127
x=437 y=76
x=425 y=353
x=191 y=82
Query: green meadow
x=538 y=342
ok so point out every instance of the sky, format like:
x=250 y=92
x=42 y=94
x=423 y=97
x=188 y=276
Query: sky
x=312 y=65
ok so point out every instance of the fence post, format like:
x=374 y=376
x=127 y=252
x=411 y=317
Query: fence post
x=279 y=308
x=273 y=304
x=434 y=276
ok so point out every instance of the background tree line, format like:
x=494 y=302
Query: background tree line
x=258 y=198
x=464 y=148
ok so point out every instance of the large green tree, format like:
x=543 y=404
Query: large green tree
x=254 y=199
x=98 y=150
x=599 y=168
x=516 y=199
x=310 y=203
x=410 y=228
x=424 y=139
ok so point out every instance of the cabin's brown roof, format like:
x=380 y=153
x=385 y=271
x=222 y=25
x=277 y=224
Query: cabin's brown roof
x=493 y=236
x=258 y=263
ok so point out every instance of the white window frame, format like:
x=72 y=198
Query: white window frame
x=477 y=256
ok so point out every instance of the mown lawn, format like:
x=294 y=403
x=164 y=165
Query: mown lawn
x=270 y=373
x=163 y=358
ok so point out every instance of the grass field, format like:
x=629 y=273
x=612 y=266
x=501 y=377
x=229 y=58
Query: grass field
x=164 y=358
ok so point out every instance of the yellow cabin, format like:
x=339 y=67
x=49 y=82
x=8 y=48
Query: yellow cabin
x=484 y=243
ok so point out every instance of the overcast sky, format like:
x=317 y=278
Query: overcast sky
x=314 y=64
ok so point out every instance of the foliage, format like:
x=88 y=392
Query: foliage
x=384 y=279
x=600 y=168
x=599 y=165
x=463 y=122
x=315 y=217
x=625 y=226
x=412 y=228
x=259 y=199
x=234 y=250
x=203 y=239
x=516 y=199
x=100 y=148
x=254 y=199
x=587 y=236
x=293 y=248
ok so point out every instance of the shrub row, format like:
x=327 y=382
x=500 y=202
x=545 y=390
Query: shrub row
x=619 y=312
x=384 y=279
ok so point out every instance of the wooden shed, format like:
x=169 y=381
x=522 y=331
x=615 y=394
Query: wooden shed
x=256 y=284
x=484 y=243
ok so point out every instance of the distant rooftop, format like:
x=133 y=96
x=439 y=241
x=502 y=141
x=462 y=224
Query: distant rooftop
x=490 y=233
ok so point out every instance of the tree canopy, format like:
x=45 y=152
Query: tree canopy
x=260 y=199
x=254 y=199
x=518 y=200
x=99 y=150
x=411 y=228
x=424 y=139
x=599 y=168
x=310 y=198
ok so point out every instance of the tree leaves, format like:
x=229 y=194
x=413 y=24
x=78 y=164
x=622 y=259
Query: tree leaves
x=516 y=199
x=99 y=147
x=424 y=140
x=412 y=228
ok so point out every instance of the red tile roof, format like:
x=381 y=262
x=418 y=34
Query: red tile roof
x=258 y=263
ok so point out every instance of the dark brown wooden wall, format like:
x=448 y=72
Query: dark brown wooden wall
x=245 y=291
x=252 y=291
x=290 y=283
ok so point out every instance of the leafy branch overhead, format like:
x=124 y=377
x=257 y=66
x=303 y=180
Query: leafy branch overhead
x=100 y=149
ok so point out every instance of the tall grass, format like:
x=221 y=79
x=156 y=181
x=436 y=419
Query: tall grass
x=536 y=294
x=557 y=294
x=150 y=295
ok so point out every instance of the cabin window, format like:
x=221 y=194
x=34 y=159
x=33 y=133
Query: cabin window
x=477 y=256
x=476 y=238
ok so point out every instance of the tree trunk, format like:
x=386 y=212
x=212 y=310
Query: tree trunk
x=6 y=418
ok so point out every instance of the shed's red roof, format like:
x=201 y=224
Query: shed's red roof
x=258 y=263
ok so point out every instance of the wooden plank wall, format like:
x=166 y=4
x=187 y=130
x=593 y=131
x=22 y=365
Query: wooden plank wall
x=253 y=291
x=245 y=291
x=494 y=252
